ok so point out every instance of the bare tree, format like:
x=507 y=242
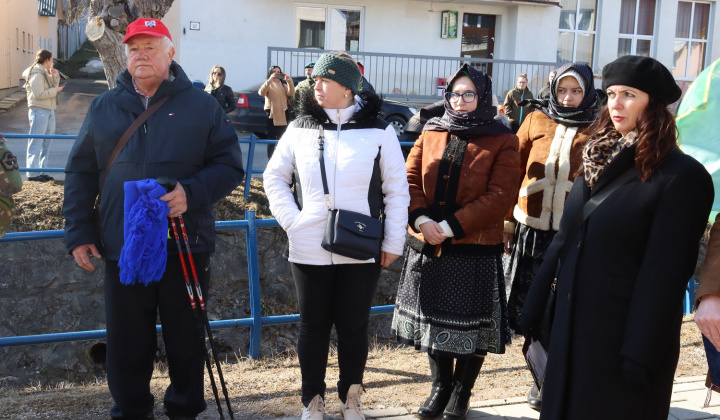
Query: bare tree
x=107 y=23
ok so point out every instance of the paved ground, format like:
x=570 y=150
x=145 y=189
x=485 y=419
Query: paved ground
x=687 y=401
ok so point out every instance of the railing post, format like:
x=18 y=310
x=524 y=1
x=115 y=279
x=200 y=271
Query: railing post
x=254 y=281
x=249 y=168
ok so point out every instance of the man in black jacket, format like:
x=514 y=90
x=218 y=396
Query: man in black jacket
x=190 y=139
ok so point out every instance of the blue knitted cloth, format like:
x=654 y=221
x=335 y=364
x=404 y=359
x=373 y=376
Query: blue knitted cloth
x=144 y=253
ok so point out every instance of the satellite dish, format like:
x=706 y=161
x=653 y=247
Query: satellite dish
x=95 y=28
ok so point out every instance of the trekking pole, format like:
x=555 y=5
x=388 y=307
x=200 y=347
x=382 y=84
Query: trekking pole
x=169 y=184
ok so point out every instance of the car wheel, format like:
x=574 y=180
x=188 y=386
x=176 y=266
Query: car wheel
x=397 y=122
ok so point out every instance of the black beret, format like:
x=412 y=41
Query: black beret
x=644 y=73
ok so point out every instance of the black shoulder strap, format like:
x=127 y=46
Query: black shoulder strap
x=376 y=210
x=610 y=188
x=592 y=204
x=124 y=139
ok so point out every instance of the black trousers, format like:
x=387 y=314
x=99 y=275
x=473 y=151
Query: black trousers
x=274 y=132
x=328 y=295
x=130 y=315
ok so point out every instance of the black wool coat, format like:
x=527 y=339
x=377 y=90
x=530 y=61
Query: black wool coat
x=620 y=291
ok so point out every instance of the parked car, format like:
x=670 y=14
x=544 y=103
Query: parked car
x=415 y=125
x=250 y=115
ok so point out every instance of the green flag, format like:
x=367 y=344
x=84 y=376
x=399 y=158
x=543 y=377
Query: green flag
x=698 y=121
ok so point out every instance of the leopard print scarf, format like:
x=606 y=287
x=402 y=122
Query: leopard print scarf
x=601 y=149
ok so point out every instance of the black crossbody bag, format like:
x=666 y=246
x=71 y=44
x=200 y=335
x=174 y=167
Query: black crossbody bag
x=348 y=233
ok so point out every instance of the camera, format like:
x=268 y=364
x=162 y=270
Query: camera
x=280 y=76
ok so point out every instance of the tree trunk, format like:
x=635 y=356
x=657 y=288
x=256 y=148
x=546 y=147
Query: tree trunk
x=116 y=16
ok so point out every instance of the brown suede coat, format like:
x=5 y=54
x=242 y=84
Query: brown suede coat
x=535 y=138
x=486 y=189
x=710 y=274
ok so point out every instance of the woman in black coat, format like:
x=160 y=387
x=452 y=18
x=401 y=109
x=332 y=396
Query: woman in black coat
x=220 y=91
x=621 y=274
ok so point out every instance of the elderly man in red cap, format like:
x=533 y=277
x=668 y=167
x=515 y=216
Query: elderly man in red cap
x=189 y=139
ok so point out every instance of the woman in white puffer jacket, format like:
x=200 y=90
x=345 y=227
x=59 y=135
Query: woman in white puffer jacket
x=333 y=289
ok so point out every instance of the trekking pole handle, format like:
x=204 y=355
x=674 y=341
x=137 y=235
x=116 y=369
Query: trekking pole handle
x=167 y=182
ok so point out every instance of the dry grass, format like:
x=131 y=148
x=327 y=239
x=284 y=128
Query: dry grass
x=39 y=206
x=269 y=388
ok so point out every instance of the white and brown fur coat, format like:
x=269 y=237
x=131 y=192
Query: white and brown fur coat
x=551 y=154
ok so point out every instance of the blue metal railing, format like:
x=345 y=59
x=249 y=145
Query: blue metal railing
x=255 y=322
x=249 y=170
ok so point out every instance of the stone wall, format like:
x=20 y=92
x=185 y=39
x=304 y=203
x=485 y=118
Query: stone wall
x=43 y=291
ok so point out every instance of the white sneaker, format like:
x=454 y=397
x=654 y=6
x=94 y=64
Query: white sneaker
x=352 y=410
x=315 y=410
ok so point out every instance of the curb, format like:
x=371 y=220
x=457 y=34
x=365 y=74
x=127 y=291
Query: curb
x=11 y=101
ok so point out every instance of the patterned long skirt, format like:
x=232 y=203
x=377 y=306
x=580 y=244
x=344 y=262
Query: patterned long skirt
x=525 y=260
x=452 y=305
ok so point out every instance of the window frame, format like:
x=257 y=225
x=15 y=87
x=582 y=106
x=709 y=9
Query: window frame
x=328 y=16
x=689 y=40
x=578 y=32
x=634 y=37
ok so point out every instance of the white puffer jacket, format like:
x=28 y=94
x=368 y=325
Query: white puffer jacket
x=349 y=159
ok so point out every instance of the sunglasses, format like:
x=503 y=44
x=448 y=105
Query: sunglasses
x=218 y=73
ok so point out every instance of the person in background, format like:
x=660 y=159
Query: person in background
x=277 y=90
x=190 y=139
x=551 y=145
x=10 y=183
x=364 y=84
x=42 y=86
x=220 y=91
x=516 y=114
x=365 y=172
x=545 y=92
x=308 y=83
x=500 y=112
x=620 y=275
x=463 y=174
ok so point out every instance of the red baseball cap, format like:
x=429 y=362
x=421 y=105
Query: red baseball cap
x=146 y=26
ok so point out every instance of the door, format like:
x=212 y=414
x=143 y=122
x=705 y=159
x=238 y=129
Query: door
x=478 y=39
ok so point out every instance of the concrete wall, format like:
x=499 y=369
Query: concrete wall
x=42 y=291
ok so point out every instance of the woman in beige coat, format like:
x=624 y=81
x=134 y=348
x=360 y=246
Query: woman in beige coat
x=43 y=86
x=277 y=90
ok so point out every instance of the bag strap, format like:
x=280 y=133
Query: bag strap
x=321 y=156
x=592 y=204
x=610 y=188
x=588 y=208
x=126 y=137
x=323 y=174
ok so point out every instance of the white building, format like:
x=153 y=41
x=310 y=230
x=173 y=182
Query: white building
x=237 y=33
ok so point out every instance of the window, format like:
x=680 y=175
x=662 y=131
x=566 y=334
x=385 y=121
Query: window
x=576 y=42
x=691 y=35
x=329 y=27
x=637 y=26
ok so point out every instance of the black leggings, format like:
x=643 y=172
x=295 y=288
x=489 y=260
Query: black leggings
x=333 y=294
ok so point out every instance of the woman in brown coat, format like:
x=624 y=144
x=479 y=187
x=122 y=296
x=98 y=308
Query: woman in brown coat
x=277 y=90
x=463 y=174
